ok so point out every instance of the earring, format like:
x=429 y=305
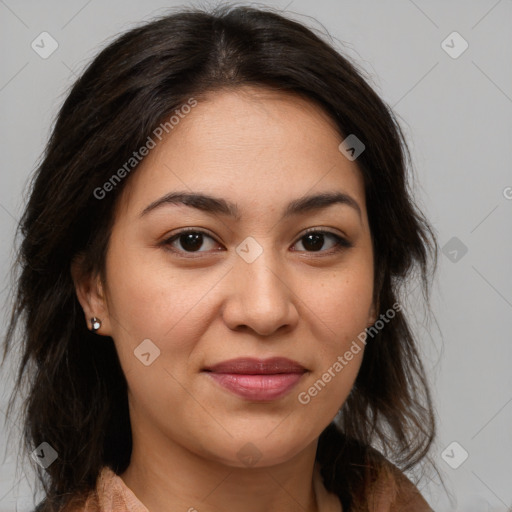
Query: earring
x=95 y=324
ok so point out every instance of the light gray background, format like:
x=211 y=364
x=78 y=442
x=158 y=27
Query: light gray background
x=457 y=115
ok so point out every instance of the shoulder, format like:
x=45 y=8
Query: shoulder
x=74 y=505
x=88 y=503
x=394 y=492
x=83 y=501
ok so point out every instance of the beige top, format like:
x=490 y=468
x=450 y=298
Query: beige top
x=389 y=495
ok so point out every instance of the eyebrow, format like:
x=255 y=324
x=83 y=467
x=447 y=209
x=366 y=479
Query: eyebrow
x=216 y=205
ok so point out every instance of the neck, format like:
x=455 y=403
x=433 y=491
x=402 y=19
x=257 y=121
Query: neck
x=177 y=479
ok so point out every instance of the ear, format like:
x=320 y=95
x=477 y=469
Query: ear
x=90 y=293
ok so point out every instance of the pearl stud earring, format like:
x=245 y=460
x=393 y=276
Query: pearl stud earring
x=95 y=324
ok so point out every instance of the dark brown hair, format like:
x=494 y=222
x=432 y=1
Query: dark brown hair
x=77 y=393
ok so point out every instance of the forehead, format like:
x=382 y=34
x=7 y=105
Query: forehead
x=251 y=144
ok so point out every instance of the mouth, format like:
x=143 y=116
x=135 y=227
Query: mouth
x=257 y=379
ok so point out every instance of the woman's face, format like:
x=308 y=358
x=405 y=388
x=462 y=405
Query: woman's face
x=250 y=285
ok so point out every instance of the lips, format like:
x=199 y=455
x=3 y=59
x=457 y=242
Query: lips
x=257 y=379
x=252 y=366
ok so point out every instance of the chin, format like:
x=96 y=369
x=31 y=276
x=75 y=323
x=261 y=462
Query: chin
x=259 y=452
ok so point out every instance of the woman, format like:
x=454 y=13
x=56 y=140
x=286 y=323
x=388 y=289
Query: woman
x=211 y=262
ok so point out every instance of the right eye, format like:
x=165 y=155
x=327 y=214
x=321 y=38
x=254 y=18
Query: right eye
x=190 y=240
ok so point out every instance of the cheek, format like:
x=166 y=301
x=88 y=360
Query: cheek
x=143 y=288
x=341 y=308
x=342 y=301
x=148 y=301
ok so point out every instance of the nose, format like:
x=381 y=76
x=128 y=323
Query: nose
x=261 y=297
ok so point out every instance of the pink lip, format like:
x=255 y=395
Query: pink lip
x=257 y=379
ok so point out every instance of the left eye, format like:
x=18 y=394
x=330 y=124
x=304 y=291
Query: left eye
x=313 y=241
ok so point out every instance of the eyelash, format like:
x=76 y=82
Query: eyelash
x=340 y=242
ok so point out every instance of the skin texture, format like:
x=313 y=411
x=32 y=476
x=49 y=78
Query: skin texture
x=259 y=149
